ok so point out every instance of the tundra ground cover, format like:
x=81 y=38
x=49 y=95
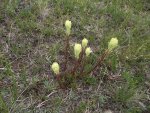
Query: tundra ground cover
x=32 y=33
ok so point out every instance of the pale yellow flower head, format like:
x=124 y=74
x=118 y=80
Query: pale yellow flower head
x=77 y=50
x=84 y=43
x=68 y=27
x=55 y=67
x=88 y=51
x=112 y=44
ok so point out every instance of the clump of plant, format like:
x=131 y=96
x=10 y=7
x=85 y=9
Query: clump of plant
x=128 y=89
x=72 y=70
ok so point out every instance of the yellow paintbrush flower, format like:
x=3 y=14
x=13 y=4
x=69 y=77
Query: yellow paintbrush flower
x=88 y=51
x=84 y=43
x=55 y=67
x=68 y=27
x=112 y=44
x=77 y=50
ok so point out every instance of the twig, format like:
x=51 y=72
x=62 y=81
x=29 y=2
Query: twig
x=43 y=103
x=2 y=68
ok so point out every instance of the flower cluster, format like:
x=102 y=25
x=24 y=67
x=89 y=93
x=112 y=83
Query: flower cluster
x=68 y=27
x=80 y=51
x=112 y=44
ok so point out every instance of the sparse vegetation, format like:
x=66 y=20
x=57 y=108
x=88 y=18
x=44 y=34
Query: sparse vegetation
x=33 y=36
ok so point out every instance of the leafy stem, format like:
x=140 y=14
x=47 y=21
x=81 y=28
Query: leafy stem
x=66 y=53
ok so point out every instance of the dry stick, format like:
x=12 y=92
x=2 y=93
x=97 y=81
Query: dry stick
x=100 y=60
x=66 y=53
x=44 y=102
